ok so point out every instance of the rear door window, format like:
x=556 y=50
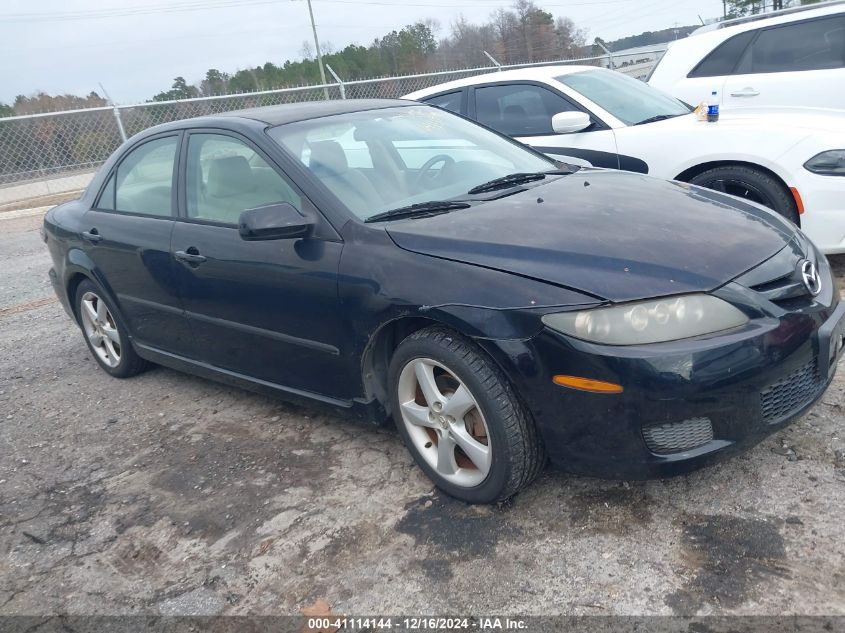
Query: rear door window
x=144 y=178
x=811 y=45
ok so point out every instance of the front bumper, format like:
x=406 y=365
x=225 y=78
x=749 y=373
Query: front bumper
x=823 y=219
x=746 y=383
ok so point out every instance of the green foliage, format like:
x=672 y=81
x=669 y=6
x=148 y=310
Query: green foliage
x=740 y=8
x=215 y=83
x=6 y=110
x=406 y=51
x=42 y=102
x=179 y=90
x=526 y=33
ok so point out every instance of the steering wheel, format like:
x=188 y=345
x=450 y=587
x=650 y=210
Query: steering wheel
x=424 y=173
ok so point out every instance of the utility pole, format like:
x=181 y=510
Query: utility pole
x=319 y=54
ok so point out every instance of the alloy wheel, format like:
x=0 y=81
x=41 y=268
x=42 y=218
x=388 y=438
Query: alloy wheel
x=444 y=422
x=741 y=189
x=101 y=329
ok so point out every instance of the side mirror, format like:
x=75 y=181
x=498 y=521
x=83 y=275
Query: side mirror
x=279 y=221
x=569 y=122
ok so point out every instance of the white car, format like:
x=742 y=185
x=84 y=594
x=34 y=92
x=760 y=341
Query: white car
x=789 y=160
x=794 y=57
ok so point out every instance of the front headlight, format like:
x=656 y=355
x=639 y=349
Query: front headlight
x=649 y=321
x=830 y=163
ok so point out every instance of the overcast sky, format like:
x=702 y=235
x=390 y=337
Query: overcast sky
x=135 y=48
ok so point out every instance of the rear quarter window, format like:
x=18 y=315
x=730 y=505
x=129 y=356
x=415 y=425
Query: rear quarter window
x=106 y=199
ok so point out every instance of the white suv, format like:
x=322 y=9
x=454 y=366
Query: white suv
x=794 y=57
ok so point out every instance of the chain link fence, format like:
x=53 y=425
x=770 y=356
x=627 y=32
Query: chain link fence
x=52 y=153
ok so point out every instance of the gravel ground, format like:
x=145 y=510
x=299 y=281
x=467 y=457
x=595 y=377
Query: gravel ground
x=170 y=494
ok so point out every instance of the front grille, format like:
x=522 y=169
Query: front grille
x=790 y=393
x=677 y=437
x=778 y=279
x=785 y=292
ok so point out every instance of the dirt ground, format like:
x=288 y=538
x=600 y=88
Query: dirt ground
x=168 y=494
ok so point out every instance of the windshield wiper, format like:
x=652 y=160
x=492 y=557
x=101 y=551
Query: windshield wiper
x=507 y=181
x=659 y=117
x=419 y=210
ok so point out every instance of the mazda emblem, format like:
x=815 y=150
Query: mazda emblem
x=810 y=277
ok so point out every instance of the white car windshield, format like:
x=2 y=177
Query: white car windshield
x=379 y=160
x=629 y=100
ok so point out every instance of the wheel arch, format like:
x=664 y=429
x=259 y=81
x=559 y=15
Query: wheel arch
x=79 y=268
x=691 y=172
x=375 y=360
x=73 y=281
x=382 y=343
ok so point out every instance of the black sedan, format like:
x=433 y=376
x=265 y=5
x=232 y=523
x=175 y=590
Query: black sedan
x=390 y=259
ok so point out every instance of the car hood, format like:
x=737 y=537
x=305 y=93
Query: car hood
x=615 y=235
x=785 y=121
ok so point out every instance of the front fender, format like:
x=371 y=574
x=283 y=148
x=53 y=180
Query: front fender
x=741 y=158
x=380 y=282
x=388 y=292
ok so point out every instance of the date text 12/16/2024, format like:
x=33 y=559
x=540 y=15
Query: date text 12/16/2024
x=416 y=623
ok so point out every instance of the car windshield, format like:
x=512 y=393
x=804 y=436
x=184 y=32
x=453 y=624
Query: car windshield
x=379 y=160
x=628 y=99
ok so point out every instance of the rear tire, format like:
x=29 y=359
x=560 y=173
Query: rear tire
x=752 y=184
x=105 y=334
x=475 y=440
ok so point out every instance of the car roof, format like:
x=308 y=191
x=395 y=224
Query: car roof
x=537 y=73
x=290 y=112
x=685 y=54
x=782 y=16
x=277 y=114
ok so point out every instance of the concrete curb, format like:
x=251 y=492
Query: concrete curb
x=24 y=213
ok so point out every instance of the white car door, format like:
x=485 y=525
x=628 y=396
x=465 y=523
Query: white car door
x=711 y=72
x=796 y=64
x=809 y=88
x=524 y=110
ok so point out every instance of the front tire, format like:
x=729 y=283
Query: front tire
x=460 y=419
x=752 y=184
x=106 y=336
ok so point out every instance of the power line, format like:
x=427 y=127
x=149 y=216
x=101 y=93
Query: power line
x=94 y=14
x=208 y=5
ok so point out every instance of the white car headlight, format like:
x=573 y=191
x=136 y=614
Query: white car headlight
x=830 y=163
x=649 y=321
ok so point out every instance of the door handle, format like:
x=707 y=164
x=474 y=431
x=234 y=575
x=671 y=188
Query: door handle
x=92 y=236
x=191 y=256
x=746 y=92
